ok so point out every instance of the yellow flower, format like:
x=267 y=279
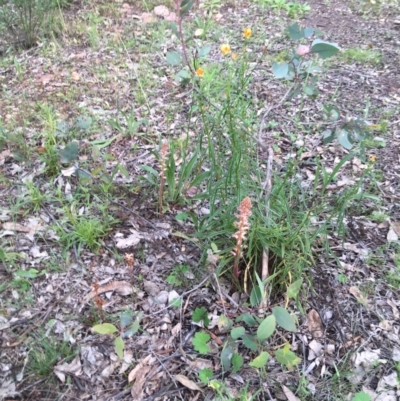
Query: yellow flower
x=247 y=33
x=225 y=49
x=372 y=158
x=199 y=72
x=234 y=56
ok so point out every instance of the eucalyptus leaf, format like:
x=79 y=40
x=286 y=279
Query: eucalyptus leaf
x=266 y=328
x=280 y=70
x=174 y=58
x=324 y=49
x=295 y=32
x=284 y=319
x=70 y=152
x=105 y=328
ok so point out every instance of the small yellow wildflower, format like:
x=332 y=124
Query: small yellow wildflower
x=199 y=72
x=225 y=49
x=372 y=158
x=247 y=33
x=234 y=56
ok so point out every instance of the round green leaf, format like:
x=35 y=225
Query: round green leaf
x=260 y=361
x=343 y=137
x=266 y=328
x=105 y=328
x=83 y=123
x=237 y=332
x=295 y=32
x=280 y=70
x=174 y=58
x=237 y=362
x=70 y=152
x=284 y=319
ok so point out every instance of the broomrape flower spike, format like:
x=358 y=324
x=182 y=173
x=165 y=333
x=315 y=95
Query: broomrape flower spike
x=247 y=33
x=243 y=226
x=225 y=49
x=199 y=72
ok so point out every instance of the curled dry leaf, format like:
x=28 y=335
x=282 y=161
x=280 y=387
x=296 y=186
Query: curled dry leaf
x=190 y=384
x=74 y=368
x=357 y=294
x=315 y=326
x=289 y=394
x=121 y=287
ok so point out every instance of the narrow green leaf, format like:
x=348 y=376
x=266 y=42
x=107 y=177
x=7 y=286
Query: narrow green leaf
x=328 y=136
x=226 y=356
x=249 y=343
x=247 y=318
x=260 y=361
x=132 y=330
x=202 y=52
x=266 y=328
x=186 y=5
x=126 y=318
x=361 y=396
x=105 y=328
x=119 y=347
x=284 y=319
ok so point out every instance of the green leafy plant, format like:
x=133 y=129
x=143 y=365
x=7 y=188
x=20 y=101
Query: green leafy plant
x=24 y=20
x=129 y=325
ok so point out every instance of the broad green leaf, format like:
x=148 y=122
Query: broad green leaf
x=200 y=341
x=287 y=357
x=343 y=136
x=237 y=362
x=328 y=136
x=311 y=91
x=266 y=328
x=247 y=318
x=324 y=49
x=237 y=332
x=332 y=113
x=176 y=302
x=226 y=356
x=249 y=342
x=294 y=288
x=260 y=361
x=119 y=347
x=174 y=28
x=280 y=70
x=182 y=76
x=174 y=58
x=70 y=152
x=31 y=273
x=284 y=319
x=186 y=5
x=126 y=318
x=204 y=50
x=205 y=375
x=308 y=32
x=201 y=314
x=361 y=396
x=62 y=128
x=105 y=328
x=295 y=32
x=83 y=122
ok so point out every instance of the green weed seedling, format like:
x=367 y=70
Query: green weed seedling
x=129 y=125
x=129 y=325
x=45 y=353
x=253 y=338
x=177 y=276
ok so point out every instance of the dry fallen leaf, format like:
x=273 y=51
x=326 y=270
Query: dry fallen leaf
x=75 y=76
x=357 y=294
x=75 y=368
x=121 y=287
x=315 y=326
x=289 y=394
x=190 y=384
x=392 y=236
x=147 y=18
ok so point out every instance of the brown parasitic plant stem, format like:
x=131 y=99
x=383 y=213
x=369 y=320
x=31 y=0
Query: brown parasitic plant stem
x=243 y=226
x=180 y=19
